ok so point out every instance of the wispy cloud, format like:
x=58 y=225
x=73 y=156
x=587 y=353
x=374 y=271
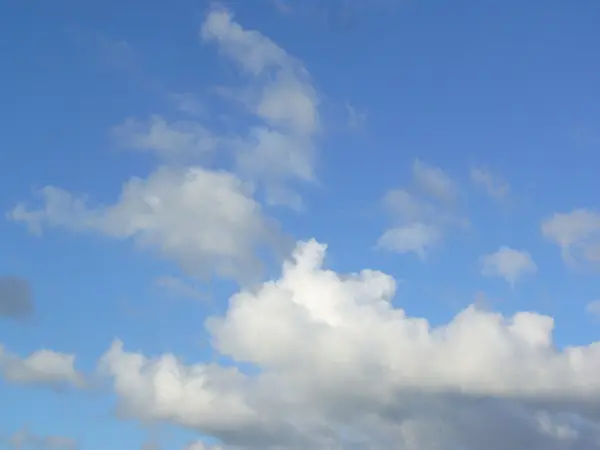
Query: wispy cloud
x=491 y=184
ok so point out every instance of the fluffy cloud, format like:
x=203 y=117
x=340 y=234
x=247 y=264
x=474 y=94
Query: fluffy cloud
x=337 y=366
x=25 y=440
x=16 y=298
x=508 y=263
x=577 y=233
x=419 y=223
x=205 y=220
x=489 y=183
x=320 y=360
x=43 y=367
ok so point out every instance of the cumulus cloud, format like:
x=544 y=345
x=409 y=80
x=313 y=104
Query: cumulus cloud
x=205 y=220
x=16 y=298
x=43 y=367
x=489 y=183
x=25 y=440
x=577 y=233
x=338 y=366
x=315 y=359
x=508 y=263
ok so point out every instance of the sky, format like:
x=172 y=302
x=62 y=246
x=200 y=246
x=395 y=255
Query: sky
x=299 y=224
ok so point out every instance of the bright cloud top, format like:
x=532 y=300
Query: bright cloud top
x=334 y=355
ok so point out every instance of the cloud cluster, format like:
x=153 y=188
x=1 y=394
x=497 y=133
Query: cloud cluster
x=317 y=359
x=420 y=219
x=209 y=221
x=337 y=366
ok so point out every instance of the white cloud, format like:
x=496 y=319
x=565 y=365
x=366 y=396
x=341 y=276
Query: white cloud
x=508 y=263
x=418 y=224
x=434 y=181
x=205 y=220
x=415 y=238
x=492 y=185
x=577 y=233
x=250 y=48
x=269 y=154
x=280 y=94
x=43 y=367
x=340 y=367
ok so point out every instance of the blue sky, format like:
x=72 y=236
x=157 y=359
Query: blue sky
x=160 y=158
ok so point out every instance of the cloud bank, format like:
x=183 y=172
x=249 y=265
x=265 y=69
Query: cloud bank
x=338 y=366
